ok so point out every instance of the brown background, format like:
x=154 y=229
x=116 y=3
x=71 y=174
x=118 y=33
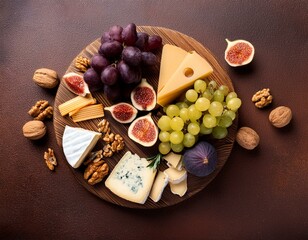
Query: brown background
x=260 y=194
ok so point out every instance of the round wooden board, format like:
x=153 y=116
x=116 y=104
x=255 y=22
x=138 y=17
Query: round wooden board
x=195 y=184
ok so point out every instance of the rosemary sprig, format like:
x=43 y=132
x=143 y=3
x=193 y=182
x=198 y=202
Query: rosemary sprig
x=155 y=161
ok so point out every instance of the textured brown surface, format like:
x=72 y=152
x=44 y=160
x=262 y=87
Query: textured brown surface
x=260 y=194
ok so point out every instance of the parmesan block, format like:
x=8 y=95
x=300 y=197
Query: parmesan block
x=159 y=185
x=131 y=179
x=77 y=144
x=175 y=176
x=179 y=188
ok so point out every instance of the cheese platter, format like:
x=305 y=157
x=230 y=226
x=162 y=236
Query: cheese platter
x=194 y=184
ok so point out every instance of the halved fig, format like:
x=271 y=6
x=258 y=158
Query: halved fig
x=143 y=96
x=76 y=84
x=239 y=52
x=143 y=131
x=122 y=112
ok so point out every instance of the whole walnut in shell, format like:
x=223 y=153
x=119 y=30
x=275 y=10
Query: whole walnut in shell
x=34 y=129
x=247 y=138
x=280 y=116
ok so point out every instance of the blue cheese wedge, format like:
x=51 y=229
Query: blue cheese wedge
x=77 y=143
x=159 y=185
x=131 y=179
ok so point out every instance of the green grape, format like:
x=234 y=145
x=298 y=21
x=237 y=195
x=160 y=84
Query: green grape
x=212 y=85
x=224 y=89
x=177 y=124
x=200 y=86
x=164 y=123
x=230 y=114
x=193 y=128
x=193 y=113
x=209 y=121
x=219 y=132
x=230 y=96
x=234 y=104
x=216 y=108
x=204 y=130
x=207 y=94
x=189 y=140
x=177 y=147
x=164 y=136
x=224 y=121
x=218 y=96
x=176 y=137
x=184 y=114
x=172 y=111
x=164 y=148
x=182 y=105
x=202 y=104
x=191 y=95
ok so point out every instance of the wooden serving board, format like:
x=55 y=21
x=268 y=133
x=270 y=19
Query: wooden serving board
x=195 y=184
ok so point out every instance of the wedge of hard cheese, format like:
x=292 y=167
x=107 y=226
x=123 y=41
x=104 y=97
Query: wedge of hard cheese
x=192 y=67
x=77 y=143
x=131 y=179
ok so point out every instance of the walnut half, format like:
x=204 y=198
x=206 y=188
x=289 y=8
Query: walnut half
x=262 y=98
x=50 y=159
x=96 y=171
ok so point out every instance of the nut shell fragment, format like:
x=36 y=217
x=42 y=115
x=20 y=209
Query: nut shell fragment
x=247 y=138
x=280 y=116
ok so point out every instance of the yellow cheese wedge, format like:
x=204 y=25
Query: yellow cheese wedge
x=158 y=187
x=191 y=68
x=180 y=188
x=171 y=58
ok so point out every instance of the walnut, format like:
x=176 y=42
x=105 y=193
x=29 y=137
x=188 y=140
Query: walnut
x=116 y=145
x=46 y=78
x=247 y=138
x=103 y=126
x=34 y=129
x=50 y=159
x=82 y=63
x=41 y=110
x=96 y=171
x=94 y=157
x=262 y=98
x=280 y=116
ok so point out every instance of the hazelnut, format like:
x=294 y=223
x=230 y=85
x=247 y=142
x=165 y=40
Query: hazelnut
x=34 y=129
x=46 y=78
x=247 y=138
x=280 y=116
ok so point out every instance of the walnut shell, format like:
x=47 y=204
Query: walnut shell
x=46 y=78
x=280 y=116
x=247 y=138
x=34 y=129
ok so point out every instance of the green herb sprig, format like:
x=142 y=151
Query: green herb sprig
x=155 y=161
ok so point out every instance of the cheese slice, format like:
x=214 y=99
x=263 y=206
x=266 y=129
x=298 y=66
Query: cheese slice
x=131 y=179
x=159 y=185
x=77 y=144
x=175 y=176
x=180 y=188
x=191 y=68
x=173 y=159
x=171 y=58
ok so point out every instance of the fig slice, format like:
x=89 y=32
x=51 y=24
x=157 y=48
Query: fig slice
x=122 y=112
x=76 y=84
x=239 y=52
x=143 y=131
x=143 y=96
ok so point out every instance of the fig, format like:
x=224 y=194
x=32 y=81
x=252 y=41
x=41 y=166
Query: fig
x=239 y=52
x=143 y=96
x=122 y=112
x=76 y=84
x=143 y=131
x=200 y=160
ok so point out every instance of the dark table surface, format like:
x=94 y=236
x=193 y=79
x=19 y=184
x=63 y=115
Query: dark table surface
x=259 y=194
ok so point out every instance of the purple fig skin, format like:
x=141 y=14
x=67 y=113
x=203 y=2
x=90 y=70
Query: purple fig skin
x=201 y=160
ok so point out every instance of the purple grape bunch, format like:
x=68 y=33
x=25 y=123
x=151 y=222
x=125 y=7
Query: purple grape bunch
x=121 y=56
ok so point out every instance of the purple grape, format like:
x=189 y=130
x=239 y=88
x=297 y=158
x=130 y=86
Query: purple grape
x=154 y=43
x=112 y=93
x=115 y=33
x=106 y=37
x=129 y=34
x=132 y=56
x=110 y=75
x=99 y=63
x=149 y=58
x=128 y=73
x=93 y=80
x=111 y=50
x=142 y=40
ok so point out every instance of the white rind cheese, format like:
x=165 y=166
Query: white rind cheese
x=159 y=185
x=131 y=179
x=180 y=188
x=77 y=143
x=175 y=176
